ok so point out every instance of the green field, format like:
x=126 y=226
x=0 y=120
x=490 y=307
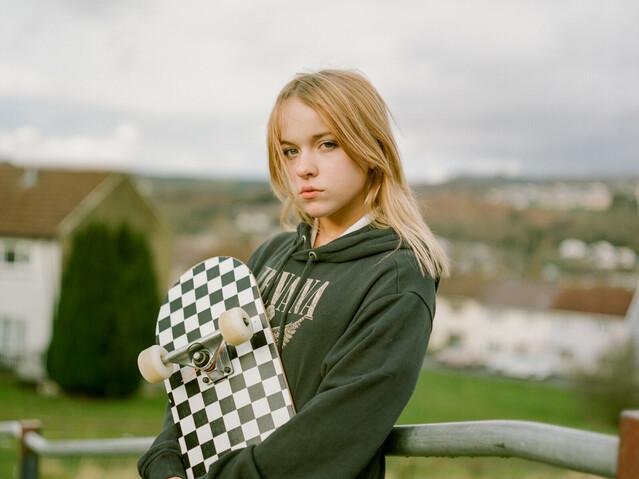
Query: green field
x=440 y=397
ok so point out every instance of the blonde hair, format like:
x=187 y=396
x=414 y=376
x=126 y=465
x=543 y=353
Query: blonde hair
x=358 y=116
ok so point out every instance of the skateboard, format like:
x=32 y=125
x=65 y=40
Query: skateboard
x=217 y=357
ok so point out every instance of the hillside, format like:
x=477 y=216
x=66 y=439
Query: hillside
x=507 y=227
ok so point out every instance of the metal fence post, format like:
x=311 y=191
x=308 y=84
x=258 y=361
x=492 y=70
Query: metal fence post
x=628 y=459
x=28 y=458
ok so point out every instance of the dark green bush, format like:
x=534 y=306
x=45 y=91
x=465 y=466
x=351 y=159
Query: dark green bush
x=106 y=312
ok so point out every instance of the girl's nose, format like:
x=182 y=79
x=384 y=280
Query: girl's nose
x=305 y=165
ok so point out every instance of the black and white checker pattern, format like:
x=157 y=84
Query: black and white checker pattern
x=237 y=411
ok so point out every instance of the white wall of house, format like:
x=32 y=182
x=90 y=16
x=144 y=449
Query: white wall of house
x=29 y=285
x=522 y=342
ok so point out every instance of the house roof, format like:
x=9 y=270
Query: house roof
x=604 y=300
x=33 y=202
x=531 y=295
x=518 y=293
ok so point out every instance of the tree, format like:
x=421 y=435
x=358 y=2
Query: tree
x=106 y=312
x=624 y=201
x=614 y=385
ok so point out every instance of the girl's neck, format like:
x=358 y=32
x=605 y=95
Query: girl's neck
x=325 y=232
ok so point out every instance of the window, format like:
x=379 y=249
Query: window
x=566 y=353
x=14 y=253
x=454 y=340
x=12 y=339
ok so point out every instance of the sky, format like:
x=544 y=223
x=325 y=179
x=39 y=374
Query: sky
x=512 y=88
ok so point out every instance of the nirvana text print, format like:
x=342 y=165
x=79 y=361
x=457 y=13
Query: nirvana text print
x=304 y=304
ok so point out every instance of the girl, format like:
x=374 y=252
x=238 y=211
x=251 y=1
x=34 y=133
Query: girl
x=350 y=294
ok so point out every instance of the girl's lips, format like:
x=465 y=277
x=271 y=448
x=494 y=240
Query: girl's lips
x=309 y=194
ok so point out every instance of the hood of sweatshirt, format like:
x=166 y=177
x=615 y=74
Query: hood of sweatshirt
x=366 y=241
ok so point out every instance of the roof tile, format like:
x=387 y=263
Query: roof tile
x=33 y=202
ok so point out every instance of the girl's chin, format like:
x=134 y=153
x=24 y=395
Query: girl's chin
x=317 y=212
x=314 y=215
x=314 y=210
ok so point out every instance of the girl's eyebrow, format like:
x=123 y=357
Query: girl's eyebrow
x=313 y=138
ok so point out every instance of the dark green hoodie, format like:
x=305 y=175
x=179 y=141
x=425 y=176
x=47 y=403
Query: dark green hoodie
x=358 y=316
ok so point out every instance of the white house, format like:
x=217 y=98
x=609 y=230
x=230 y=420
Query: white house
x=572 y=248
x=532 y=333
x=601 y=254
x=595 y=196
x=39 y=211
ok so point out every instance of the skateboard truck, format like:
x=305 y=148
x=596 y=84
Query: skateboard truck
x=214 y=365
x=208 y=354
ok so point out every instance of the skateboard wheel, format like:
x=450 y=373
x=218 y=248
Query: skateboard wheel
x=151 y=365
x=235 y=326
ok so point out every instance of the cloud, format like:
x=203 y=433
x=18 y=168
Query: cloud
x=28 y=144
x=526 y=86
x=19 y=81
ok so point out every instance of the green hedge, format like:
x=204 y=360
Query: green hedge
x=106 y=312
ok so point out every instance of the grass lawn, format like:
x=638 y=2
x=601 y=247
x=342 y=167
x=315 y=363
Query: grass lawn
x=440 y=397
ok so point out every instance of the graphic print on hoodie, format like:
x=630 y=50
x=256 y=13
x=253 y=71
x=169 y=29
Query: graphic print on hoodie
x=303 y=306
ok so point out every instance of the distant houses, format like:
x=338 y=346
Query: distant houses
x=533 y=330
x=599 y=255
x=516 y=328
x=594 y=196
x=40 y=209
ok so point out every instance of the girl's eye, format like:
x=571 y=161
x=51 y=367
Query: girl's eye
x=289 y=152
x=329 y=145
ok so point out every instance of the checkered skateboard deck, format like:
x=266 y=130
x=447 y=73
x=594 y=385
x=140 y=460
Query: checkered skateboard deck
x=214 y=417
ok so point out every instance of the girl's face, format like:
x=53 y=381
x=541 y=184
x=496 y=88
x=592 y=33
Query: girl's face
x=326 y=183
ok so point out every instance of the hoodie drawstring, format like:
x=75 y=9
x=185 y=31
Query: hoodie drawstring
x=312 y=257
x=280 y=267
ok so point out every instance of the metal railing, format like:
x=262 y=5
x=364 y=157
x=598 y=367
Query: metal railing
x=600 y=454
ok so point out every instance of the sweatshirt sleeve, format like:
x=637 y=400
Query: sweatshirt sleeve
x=163 y=459
x=367 y=379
